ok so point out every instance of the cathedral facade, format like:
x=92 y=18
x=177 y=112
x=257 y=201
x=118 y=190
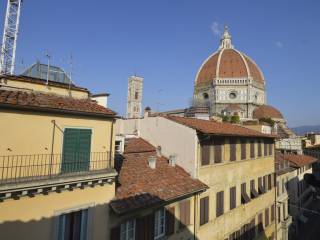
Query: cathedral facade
x=229 y=82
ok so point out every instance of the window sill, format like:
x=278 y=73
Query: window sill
x=232 y=162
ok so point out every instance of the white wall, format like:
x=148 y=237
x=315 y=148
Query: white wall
x=173 y=138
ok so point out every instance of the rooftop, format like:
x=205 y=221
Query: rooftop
x=295 y=160
x=35 y=101
x=218 y=128
x=142 y=186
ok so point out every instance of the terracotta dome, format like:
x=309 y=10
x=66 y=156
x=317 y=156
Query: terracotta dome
x=266 y=111
x=228 y=62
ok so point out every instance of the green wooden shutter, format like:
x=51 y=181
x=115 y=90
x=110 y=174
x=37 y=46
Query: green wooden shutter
x=76 y=150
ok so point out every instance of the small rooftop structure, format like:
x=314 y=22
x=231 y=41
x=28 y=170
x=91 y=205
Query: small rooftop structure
x=40 y=71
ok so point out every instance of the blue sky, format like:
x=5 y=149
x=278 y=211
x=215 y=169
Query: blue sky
x=166 y=41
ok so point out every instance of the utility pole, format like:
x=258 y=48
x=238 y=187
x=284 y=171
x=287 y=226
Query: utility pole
x=10 y=34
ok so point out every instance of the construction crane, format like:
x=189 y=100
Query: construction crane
x=10 y=34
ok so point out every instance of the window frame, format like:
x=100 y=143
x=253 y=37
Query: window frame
x=126 y=224
x=157 y=219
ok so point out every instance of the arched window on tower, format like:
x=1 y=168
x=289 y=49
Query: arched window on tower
x=205 y=96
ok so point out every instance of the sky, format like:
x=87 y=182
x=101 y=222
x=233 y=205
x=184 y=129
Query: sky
x=166 y=41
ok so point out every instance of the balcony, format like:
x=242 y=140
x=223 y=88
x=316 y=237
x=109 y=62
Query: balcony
x=21 y=173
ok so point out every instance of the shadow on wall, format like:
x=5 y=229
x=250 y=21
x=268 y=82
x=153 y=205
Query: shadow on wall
x=47 y=228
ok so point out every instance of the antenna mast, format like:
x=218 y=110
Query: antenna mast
x=10 y=34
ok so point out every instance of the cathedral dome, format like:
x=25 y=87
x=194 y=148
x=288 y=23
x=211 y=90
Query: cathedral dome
x=228 y=63
x=266 y=111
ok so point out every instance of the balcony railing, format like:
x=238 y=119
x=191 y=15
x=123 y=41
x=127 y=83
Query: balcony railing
x=25 y=168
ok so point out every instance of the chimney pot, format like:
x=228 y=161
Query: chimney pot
x=159 y=151
x=172 y=160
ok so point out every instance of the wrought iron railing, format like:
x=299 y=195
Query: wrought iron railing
x=24 y=168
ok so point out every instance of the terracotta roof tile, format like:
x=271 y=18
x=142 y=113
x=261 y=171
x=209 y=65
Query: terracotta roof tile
x=217 y=128
x=266 y=111
x=51 y=102
x=295 y=160
x=141 y=186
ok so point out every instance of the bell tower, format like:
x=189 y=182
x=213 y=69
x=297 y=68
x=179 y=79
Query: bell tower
x=134 y=100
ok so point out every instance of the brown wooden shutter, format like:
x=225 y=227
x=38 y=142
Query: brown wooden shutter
x=204 y=210
x=170 y=221
x=233 y=199
x=145 y=227
x=269 y=181
x=243 y=149
x=259 y=149
x=220 y=203
x=265 y=148
x=252 y=153
x=115 y=233
x=205 y=154
x=184 y=213
x=233 y=149
x=272 y=212
x=260 y=223
x=267 y=217
x=187 y=210
x=270 y=148
x=218 y=150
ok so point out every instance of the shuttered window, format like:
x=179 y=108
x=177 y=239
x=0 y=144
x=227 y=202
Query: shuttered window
x=220 y=204
x=270 y=148
x=145 y=227
x=127 y=230
x=252 y=153
x=279 y=214
x=260 y=223
x=278 y=190
x=266 y=217
x=204 y=210
x=184 y=213
x=218 y=143
x=170 y=221
x=244 y=195
x=269 y=181
x=259 y=149
x=265 y=148
x=243 y=149
x=205 y=154
x=272 y=212
x=233 y=198
x=253 y=191
x=233 y=149
x=76 y=150
x=261 y=188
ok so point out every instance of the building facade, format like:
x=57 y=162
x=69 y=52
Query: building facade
x=56 y=155
x=220 y=155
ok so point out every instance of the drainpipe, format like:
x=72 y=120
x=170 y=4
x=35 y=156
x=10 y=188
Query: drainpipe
x=111 y=144
x=52 y=145
x=194 y=216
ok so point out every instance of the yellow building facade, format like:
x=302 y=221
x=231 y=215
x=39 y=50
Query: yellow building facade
x=56 y=162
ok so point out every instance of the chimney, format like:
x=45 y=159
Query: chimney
x=158 y=151
x=172 y=160
x=152 y=160
x=147 y=112
x=102 y=99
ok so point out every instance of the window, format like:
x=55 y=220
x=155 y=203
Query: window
x=260 y=223
x=283 y=186
x=243 y=149
x=270 y=148
x=272 y=212
x=170 y=221
x=252 y=153
x=136 y=95
x=244 y=196
x=261 y=188
x=253 y=191
x=279 y=214
x=218 y=150
x=278 y=190
x=233 y=149
x=204 y=210
x=220 y=204
x=266 y=217
x=259 y=149
x=269 y=181
x=73 y=225
x=127 y=230
x=205 y=154
x=233 y=198
x=159 y=223
x=184 y=213
x=265 y=148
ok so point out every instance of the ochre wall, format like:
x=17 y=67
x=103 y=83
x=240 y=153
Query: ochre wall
x=46 y=89
x=223 y=176
x=35 y=218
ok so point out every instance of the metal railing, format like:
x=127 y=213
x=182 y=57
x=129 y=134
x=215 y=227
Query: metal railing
x=24 y=168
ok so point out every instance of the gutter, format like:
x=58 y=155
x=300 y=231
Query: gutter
x=57 y=110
